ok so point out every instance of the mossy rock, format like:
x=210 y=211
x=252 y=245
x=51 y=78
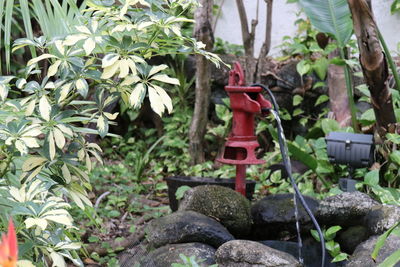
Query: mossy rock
x=169 y=254
x=350 y=238
x=345 y=209
x=274 y=216
x=362 y=255
x=246 y=253
x=381 y=218
x=225 y=205
x=186 y=227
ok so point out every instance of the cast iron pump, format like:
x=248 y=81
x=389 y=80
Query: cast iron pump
x=246 y=102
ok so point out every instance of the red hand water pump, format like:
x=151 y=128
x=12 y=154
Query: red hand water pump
x=246 y=102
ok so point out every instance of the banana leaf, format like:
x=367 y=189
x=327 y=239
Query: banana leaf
x=330 y=16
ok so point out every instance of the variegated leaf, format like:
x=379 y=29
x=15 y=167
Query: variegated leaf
x=59 y=138
x=39 y=58
x=73 y=39
x=3 y=91
x=30 y=142
x=156 y=69
x=130 y=80
x=30 y=107
x=40 y=222
x=65 y=129
x=156 y=102
x=66 y=173
x=109 y=71
x=53 y=68
x=137 y=95
x=20 y=83
x=60 y=46
x=165 y=97
x=165 y=79
x=44 y=108
x=82 y=87
x=52 y=146
x=111 y=116
x=58 y=259
x=123 y=68
x=109 y=60
x=22 y=148
x=32 y=162
x=102 y=126
x=83 y=29
x=89 y=45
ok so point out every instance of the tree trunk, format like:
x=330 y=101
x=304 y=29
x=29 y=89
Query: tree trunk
x=268 y=30
x=248 y=36
x=338 y=98
x=373 y=63
x=252 y=65
x=202 y=32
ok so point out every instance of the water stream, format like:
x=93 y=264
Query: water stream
x=286 y=160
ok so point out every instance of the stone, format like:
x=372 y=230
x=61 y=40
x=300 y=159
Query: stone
x=381 y=218
x=310 y=252
x=274 y=215
x=133 y=255
x=362 y=255
x=225 y=205
x=169 y=254
x=245 y=253
x=346 y=209
x=185 y=227
x=297 y=167
x=350 y=238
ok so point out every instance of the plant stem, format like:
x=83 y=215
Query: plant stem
x=69 y=100
x=389 y=57
x=7 y=162
x=324 y=181
x=350 y=95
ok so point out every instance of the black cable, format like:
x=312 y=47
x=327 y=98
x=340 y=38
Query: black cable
x=286 y=162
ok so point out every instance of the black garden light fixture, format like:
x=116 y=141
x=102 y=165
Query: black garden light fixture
x=353 y=150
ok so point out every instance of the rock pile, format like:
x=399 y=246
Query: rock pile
x=213 y=223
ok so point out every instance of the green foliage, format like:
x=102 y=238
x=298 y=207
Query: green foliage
x=383 y=183
x=225 y=48
x=55 y=18
x=395 y=7
x=333 y=17
x=393 y=258
x=330 y=16
x=330 y=244
x=180 y=192
x=314 y=58
x=189 y=262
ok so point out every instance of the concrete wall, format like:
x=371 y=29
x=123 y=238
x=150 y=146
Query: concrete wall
x=283 y=18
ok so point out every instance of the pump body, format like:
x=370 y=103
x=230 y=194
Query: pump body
x=240 y=148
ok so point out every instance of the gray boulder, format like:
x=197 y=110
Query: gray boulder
x=346 y=209
x=245 y=253
x=169 y=254
x=185 y=227
x=133 y=255
x=275 y=214
x=362 y=255
x=352 y=237
x=310 y=252
x=381 y=218
x=225 y=205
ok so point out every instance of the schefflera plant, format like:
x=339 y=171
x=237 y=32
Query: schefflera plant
x=46 y=109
